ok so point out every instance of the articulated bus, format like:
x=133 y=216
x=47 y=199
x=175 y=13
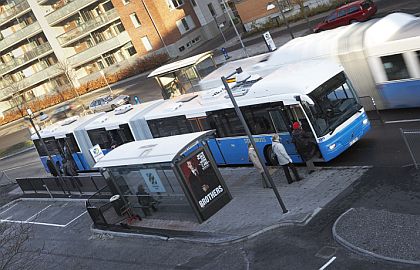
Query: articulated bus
x=124 y=124
x=66 y=136
x=315 y=93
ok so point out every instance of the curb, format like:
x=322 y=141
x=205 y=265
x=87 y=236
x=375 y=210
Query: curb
x=221 y=242
x=18 y=153
x=362 y=251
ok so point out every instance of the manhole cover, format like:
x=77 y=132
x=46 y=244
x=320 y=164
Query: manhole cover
x=326 y=252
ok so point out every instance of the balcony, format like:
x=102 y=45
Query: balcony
x=100 y=48
x=25 y=32
x=42 y=75
x=87 y=27
x=70 y=8
x=16 y=10
x=27 y=57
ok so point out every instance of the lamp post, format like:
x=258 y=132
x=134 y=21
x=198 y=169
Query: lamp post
x=30 y=118
x=106 y=81
x=251 y=139
x=234 y=27
x=271 y=6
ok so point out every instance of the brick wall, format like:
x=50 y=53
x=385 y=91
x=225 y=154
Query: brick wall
x=251 y=10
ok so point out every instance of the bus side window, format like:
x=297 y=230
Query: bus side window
x=125 y=133
x=258 y=119
x=278 y=122
x=199 y=124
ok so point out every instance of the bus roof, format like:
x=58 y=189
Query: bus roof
x=122 y=115
x=281 y=85
x=152 y=151
x=66 y=126
x=172 y=67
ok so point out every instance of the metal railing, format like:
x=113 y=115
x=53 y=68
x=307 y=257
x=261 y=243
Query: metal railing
x=411 y=139
x=31 y=29
x=52 y=186
x=88 y=26
x=26 y=57
x=8 y=14
x=69 y=7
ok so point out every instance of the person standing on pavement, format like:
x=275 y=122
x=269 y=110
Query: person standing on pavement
x=284 y=159
x=305 y=145
x=257 y=164
x=51 y=168
x=68 y=168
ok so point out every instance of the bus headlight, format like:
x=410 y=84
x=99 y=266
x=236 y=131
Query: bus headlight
x=365 y=121
x=332 y=146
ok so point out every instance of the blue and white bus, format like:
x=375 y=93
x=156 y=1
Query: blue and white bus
x=66 y=136
x=315 y=93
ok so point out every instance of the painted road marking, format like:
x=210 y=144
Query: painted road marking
x=32 y=222
x=8 y=209
x=68 y=223
x=402 y=121
x=328 y=263
x=39 y=212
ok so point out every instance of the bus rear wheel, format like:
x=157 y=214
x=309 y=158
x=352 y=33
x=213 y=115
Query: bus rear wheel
x=270 y=156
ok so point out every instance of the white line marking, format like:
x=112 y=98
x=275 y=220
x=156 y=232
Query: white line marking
x=75 y=218
x=39 y=212
x=328 y=263
x=8 y=209
x=402 y=121
x=32 y=222
x=20 y=167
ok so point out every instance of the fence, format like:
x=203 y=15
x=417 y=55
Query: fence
x=68 y=186
x=411 y=139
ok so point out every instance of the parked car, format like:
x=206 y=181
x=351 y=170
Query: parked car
x=357 y=11
x=108 y=103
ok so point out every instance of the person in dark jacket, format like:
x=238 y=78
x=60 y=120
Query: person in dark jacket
x=51 y=168
x=69 y=168
x=145 y=200
x=305 y=145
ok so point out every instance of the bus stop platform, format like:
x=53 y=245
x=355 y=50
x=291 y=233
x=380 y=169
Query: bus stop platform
x=253 y=210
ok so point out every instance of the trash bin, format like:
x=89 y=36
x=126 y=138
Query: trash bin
x=117 y=203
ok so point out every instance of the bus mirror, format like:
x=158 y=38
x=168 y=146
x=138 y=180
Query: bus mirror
x=239 y=70
x=298 y=98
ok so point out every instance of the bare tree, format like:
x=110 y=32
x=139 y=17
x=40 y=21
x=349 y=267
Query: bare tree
x=18 y=100
x=65 y=67
x=301 y=4
x=14 y=250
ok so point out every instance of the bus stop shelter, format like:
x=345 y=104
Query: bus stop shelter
x=182 y=76
x=157 y=171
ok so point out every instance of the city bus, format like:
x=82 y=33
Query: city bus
x=65 y=139
x=315 y=93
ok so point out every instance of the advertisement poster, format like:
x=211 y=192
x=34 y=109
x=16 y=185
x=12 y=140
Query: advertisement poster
x=205 y=185
x=269 y=42
x=96 y=152
x=152 y=180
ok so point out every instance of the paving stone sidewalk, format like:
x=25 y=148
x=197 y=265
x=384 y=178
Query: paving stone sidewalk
x=255 y=209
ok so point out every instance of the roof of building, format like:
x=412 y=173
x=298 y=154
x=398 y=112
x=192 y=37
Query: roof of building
x=152 y=151
x=190 y=61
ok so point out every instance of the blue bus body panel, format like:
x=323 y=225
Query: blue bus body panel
x=235 y=150
x=217 y=154
x=79 y=164
x=344 y=138
x=83 y=161
x=403 y=94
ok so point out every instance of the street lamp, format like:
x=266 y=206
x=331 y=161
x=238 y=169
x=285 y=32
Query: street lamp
x=30 y=118
x=249 y=134
x=234 y=27
x=270 y=6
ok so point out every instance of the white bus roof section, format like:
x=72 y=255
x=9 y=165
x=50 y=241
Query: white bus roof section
x=66 y=126
x=281 y=85
x=152 y=151
x=190 y=61
x=112 y=120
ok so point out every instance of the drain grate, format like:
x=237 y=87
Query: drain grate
x=326 y=252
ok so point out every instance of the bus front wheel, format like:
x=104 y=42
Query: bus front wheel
x=270 y=156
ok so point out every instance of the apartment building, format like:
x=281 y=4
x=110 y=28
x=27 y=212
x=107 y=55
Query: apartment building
x=41 y=39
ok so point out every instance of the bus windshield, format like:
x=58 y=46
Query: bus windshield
x=334 y=102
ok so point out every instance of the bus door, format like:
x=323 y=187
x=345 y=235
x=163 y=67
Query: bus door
x=282 y=122
x=202 y=124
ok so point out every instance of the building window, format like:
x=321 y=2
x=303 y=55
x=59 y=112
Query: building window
x=126 y=2
x=130 y=49
x=146 y=44
x=211 y=9
x=395 y=67
x=185 y=24
x=193 y=3
x=135 y=20
x=175 y=3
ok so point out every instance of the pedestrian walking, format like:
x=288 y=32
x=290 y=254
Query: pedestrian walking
x=252 y=154
x=69 y=168
x=305 y=145
x=136 y=100
x=51 y=168
x=284 y=159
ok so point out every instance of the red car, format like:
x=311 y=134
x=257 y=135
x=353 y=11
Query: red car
x=357 y=11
